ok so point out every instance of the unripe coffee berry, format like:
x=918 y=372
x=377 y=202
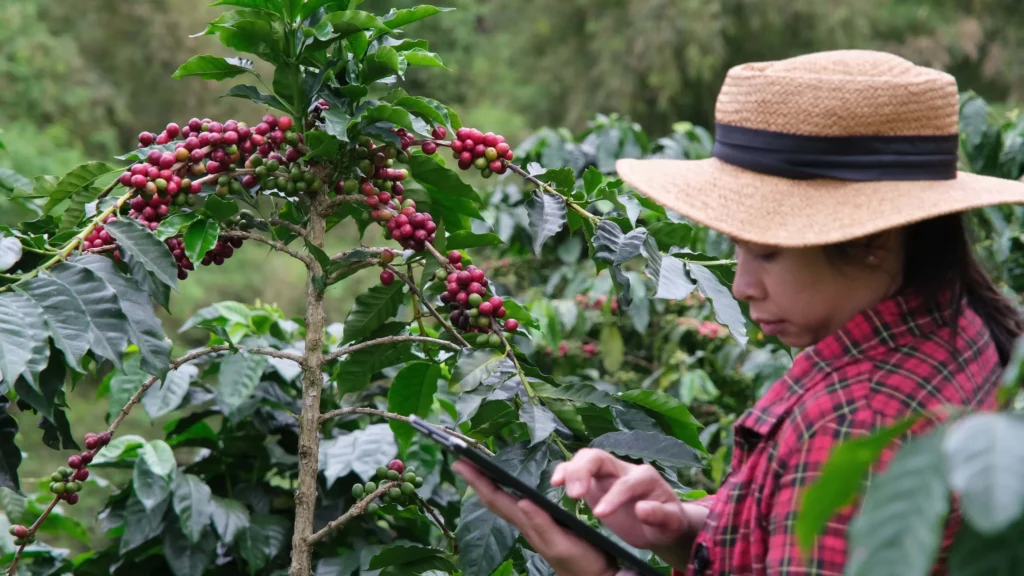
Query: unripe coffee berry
x=395 y=493
x=382 y=472
x=393 y=475
x=407 y=488
x=387 y=256
x=58 y=487
x=475 y=300
x=19 y=531
x=357 y=491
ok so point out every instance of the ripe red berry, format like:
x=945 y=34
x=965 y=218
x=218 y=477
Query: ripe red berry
x=496 y=302
x=397 y=466
x=368 y=189
x=216 y=127
x=454 y=257
x=230 y=138
x=440 y=132
x=496 y=166
x=172 y=130
x=462 y=299
x=511 y=325
x=72 y=499
x=464 y=278
x=19 y=531
x=477 y=275
x=75 y=462
x=104 y=438
x=384 y=197
x=285 y=123
x=81 y=474
x=387 y=278
x=429 y=148
x=373 y=202
x=500 y=312
x=147 y=138
x=490 y=139
x=476 y=288
x=485 y=308
x=270 y=120
x=138 y=181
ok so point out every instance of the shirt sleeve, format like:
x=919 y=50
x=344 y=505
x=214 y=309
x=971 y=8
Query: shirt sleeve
x=798 y=464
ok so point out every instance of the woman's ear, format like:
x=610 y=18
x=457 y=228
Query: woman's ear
x=881 y=247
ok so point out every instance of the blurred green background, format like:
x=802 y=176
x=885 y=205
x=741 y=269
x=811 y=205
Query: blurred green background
x=80 y=79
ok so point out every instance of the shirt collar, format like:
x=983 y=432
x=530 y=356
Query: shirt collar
x=889 y=324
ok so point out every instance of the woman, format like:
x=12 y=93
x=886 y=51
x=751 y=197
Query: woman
x=836 y=176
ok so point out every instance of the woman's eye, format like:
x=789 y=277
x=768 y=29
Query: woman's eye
x=766 y=256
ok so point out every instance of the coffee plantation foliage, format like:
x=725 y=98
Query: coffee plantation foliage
x=528 y=302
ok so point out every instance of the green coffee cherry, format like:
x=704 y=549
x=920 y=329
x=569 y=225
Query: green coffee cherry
x=392 y=475
x=418 y=483
x=58 y=487
x=382 y=472
x=370 y=487
x=475 y=299
x=372 y=508
x=494 y=339
x=57 y=477
x=409 y=476
x=408 y=489
x=273 y=166
x=255 y=161
x=394 y=493
x=357 y=491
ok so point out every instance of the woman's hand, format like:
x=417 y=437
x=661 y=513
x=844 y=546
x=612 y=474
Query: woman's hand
x=564 y=551
x=633 y=501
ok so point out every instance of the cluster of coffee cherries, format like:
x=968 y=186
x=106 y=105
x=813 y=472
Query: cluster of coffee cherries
x=597 y=303
x=587 y=349
x=410 y=228
x=221 y=251
x=177 y=247
x=466 y=297
x=488 y=152
x=69 y=480
x=394 y=472
x=99 y=237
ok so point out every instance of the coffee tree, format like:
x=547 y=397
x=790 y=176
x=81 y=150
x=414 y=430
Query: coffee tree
x=313 y=466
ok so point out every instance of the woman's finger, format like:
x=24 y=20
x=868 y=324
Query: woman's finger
x=660 y=515
x=640 y=481
x=587 y=464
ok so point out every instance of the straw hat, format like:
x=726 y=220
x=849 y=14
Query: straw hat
x=824 y=148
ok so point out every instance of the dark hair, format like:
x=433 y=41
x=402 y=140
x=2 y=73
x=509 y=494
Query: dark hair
x=938 y=257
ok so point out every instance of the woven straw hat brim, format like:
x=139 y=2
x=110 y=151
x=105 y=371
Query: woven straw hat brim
x=775 y=211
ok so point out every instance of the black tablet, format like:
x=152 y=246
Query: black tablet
x=519 y=489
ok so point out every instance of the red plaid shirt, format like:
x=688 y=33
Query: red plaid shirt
x=883 y=365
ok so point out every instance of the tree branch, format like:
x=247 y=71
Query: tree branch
x=345 y=254
x=392 y=416
x=433 y=312
x=279 y=246
x=572 y=205
x=357 y=509
x=284 y=224
x=440 y=522
x=388 y=340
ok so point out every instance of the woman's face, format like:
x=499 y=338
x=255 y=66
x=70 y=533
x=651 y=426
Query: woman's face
x=800 y=296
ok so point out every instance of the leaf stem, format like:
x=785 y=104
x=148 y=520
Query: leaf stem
x=439 y=521
x=63 y=253
x=412 y=286
x=568 y=202
x=710 y=263
x=275 y=244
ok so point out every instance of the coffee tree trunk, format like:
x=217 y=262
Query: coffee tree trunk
x=312 y=383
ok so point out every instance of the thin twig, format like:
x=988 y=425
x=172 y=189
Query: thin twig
x=388 y=340
x=439 y=521
x=175 y=364
x=572 y=205
x=279 y=246
x=416 y=306
x=392 y=416
x=346 y=253
x=31 y=532
x=433 y=312
x=339 y=200
x=357 y=509
x=285 y=224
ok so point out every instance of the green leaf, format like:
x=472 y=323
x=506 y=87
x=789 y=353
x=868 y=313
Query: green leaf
x=121 y=449
x=174 y=224
x=211 y=68
x=360 y=451
x=163 y=398
x=673 y=283
x=200 y=237
x=10 y=252
x=289 y=87
x=649 y=447
x=186 y=557
x=336 y=122
x=387 y=55
x=144 y=326
x=398 y=555
x=426 y=108
x=193 y=503
x=64 y=315
x=515 y=310
x=727 y=310
x=354 y=373
x=407 y=16
x=674 y=414
x=547 y=216
x=146 y=248
x=239 y=375
x=841 y=480
x=465 y=239
x=975 y=554
x=898 y=529
x=613 y=350
x=484 y=539
x=372 y=309
x=156 y=288
x=22 y=335
x=10 y=454
x=42 y=394
x=141 y=525
x=563 y=179
x=151 y=477
x=453 y=199
x=252 y=93
x=671 y=234
x=229 y=517
x=219 y=208
x=124 y=382
x=536 y=565
x=262 y=540
x=272 y=6
x=985 y=460
x=412 y=392
x=77 y=180
x=344 y=24
x=540 y=421
x=473 y=367
x=108 y=326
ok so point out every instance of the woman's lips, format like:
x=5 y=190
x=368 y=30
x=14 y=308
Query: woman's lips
x=773 y=327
